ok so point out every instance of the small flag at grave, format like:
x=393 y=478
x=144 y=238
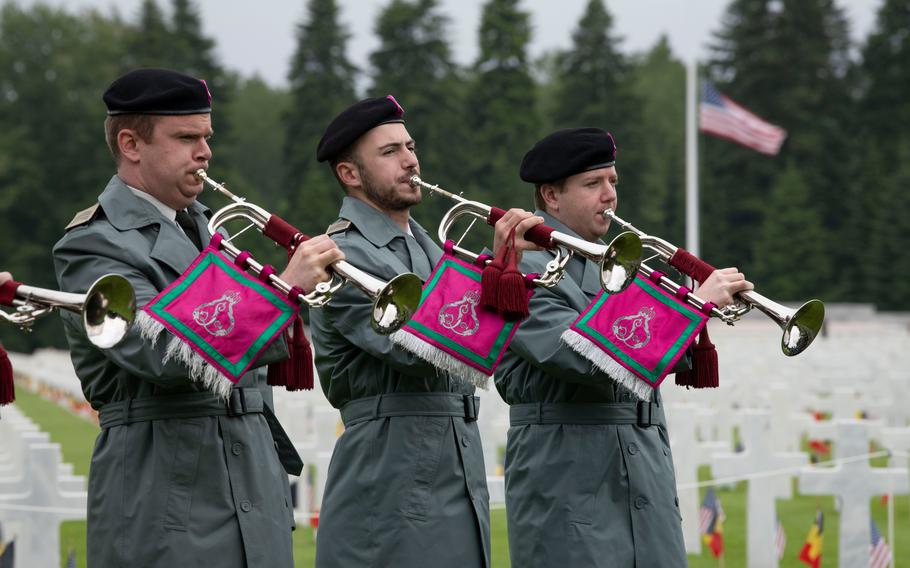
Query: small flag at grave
x=711 y=522
x=8 y=554
x=879 y=552
x=71 y=559
x=811 y=552
x=780 y=540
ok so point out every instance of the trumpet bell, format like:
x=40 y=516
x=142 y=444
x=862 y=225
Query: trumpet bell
x=621 y=262
x=394 y=305
x=802 y=327
x=108 y=311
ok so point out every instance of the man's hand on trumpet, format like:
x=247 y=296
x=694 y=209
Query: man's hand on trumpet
x=722 y=285
x=521 y=221
x=307 y=267
x=5 y=277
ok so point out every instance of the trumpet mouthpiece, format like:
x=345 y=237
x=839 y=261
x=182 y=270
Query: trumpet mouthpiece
x=200 y=174
x=415 y=181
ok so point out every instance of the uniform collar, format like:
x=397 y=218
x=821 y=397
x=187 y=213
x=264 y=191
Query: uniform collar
x=375 y=225
x=126 y=211
x=583 y=271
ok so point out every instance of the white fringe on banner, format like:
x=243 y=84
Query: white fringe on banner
x=590 y=351
x=439 y=358
x=200 y=371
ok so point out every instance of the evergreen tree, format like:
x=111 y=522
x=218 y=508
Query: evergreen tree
x=886 y=262
x=786 y=61
x=53 y=159
x=883 y=110
x=790 y=249
x=501 y=106
x=414 y=63
x=151 y=43
x=322 y=85
x=659 y=83
x=595 y=88
x=193 y=52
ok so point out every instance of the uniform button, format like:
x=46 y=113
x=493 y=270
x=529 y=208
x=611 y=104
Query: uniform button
x=633 y=449
x=245 y=506
x=465 y=442
x=640 y=502
x=235 y=449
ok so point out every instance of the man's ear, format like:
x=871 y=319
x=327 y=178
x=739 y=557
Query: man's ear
x=348 y=173
x=550 y=194
x=128 y=142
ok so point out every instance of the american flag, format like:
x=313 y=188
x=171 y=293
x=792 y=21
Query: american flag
x=780 y=540
x=879 y=551
x=71 y=559
x=710 y=512
x=721 y=117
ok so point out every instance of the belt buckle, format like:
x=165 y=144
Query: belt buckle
x=237 y=396
x=470 y=408
x=643 y=417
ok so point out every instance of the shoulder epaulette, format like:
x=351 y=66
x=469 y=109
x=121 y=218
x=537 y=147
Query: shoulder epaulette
x=83 y=217
x=339 y=226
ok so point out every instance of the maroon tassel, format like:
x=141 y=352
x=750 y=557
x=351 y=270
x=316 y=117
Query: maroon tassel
x=489 y=284
x=7 y=387
x=279 y=372
x=704 y=362
x=302 y=358
x=296 y=372
x=513 y=296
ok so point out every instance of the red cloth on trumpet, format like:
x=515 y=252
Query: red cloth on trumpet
x=704 y=372
x=7 y=387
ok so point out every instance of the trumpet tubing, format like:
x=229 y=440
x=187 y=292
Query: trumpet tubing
x=107 y=309
x=619 y=260
x=800 y=326
x=394 y=302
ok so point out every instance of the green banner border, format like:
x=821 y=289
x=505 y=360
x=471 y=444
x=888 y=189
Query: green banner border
x=485 y=361
x=160 y=307
x=654 y=374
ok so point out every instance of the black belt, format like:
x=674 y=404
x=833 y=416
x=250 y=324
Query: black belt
x=199 y=404
x=411 y=404
x=641 y=414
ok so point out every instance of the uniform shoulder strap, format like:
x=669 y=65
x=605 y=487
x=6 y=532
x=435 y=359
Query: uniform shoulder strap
x=339 y=226
x=84 y=217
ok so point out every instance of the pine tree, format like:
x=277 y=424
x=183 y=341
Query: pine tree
x=594 y=88
x=887 y=263
x=322 y=85
x=659 y=83
x=790 y=250
x=414 y=63
x=193 y=52
x=501 y=106
x=151 y=43
x=786 y=60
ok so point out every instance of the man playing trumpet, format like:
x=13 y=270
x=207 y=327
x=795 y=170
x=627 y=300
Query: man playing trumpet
x=406 y=485
x=585 y=485
x=178 y=476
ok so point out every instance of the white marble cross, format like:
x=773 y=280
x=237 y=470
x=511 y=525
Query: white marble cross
x=758 y=458
x=897 y=440
x=38 y=502
x=854 y=483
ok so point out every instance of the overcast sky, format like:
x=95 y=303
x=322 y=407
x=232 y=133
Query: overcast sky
x=259 y=37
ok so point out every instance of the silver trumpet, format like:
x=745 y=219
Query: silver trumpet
x=394 y=302
x=107 y=309
x=800 y=326
x=619 y=260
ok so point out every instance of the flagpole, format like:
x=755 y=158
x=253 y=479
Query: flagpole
x=692 y=228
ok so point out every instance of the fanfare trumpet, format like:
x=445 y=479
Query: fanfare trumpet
x=800 y=325
x=618 y=261
x=394 y=302
x=107 y=309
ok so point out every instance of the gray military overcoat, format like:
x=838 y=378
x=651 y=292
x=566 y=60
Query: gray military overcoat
x=199 y=491
x=402 y=490
x=580 y=495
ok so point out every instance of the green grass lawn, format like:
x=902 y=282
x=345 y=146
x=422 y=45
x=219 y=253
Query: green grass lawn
x=77 y=436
